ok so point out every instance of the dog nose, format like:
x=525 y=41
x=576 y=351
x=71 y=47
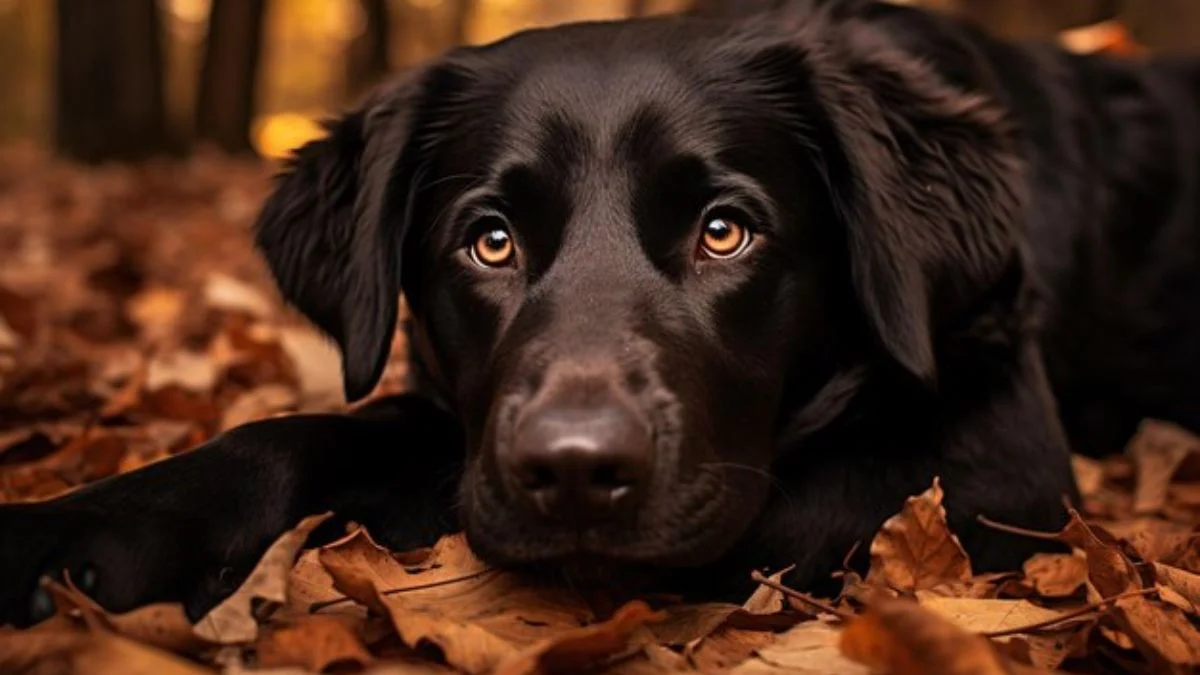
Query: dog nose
x=581 y=464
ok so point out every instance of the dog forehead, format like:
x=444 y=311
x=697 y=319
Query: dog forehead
x=589 y=104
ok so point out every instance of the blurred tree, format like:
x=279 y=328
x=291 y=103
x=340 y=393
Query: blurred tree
x=109 y=80
x=367 y=54
x=464 y=11
x=228 y=78
x=1036 y=18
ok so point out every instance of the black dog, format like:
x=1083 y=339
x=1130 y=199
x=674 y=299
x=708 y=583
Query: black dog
x=697 y=296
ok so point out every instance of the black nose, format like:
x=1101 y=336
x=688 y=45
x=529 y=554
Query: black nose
x=581 y=464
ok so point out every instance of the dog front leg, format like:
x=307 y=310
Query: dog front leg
x=190 y=528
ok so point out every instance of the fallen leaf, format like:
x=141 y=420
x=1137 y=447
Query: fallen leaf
x=1056 y=575
x=915 y=548
x=990 y=616
x=1161 y=632
x=191 y=371
x=318 y=366
x=156 y=311
x=1185 y=583
x=1089 y=475
x=224 y=292
x=726 y=648
x=476 y=617
x=314 y=643
x=96 y=653
x=1151 y=539
x=1110 y=571
x=257 y=404
x=767 y=600
x=808 y=649
x=899 y=637
x=1158 y=449
x=571 y=651
x=163 y=625
x=235 y=620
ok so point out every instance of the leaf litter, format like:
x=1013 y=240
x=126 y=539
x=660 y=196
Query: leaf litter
x=136 y=322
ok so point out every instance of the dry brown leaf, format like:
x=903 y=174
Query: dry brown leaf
x=979 y=587
x=318 y=366
x=1110 y=571
x=727 y=648
x=256 y=404
x=156 y=311
x=314 y=643
x=573 y=650
x=1151 y=539
x=1185 y=583
x=234 y=621
x=990 y=616
x=95 y=653
x=1161 y=632
x=899 y=637
x=224 y=292
x=191 y=371
x=808 y=649
x=915 y=548
x=1158 y=450
x=361 y=565
x=1056 y=575
x=687 y=624
x=163 y=625
x=1089 y=475
x=767 y=600
x=476 y=617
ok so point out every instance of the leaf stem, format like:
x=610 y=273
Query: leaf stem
x=1087 y=609
x=1019 y=531
x=797 y=595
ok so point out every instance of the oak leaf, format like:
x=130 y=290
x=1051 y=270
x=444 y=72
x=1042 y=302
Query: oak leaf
x=475 y=617
x=915 y=549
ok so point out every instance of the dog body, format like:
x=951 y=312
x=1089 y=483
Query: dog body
x=698 y=296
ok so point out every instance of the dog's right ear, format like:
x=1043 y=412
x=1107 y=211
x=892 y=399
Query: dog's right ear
x=333 y=228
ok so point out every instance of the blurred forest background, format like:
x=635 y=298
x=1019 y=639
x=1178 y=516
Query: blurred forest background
x=125 y=79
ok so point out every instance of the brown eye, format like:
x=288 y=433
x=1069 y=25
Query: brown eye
x=493 y=248
x=724 y=238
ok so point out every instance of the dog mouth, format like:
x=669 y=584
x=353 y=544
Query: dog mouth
x=690 y=524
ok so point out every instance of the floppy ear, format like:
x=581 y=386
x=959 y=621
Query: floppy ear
x=927 y=180
x=332 y=230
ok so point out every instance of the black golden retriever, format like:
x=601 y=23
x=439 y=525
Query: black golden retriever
x=692 y=296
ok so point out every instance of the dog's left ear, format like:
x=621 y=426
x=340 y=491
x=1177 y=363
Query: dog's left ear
x=333 y=228
x=926 y=178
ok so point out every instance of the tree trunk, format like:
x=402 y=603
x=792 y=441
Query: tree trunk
x=638 y=7
x=109 y=81
x=367 y=57
x=463 y=11
x=1036 y=19
x=229 y=76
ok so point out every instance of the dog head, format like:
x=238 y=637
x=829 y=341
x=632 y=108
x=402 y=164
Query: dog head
x=634 y=253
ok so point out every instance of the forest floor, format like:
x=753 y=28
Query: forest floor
x=136 y=321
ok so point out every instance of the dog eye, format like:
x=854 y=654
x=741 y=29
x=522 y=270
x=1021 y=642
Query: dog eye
x=493 y=247
x=723 y=238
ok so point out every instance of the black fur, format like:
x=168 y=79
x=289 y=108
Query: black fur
x=961 y=247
